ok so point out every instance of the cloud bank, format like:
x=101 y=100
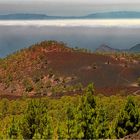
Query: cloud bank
x=124 y=23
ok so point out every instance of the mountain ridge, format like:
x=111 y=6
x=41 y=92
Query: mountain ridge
x=135 y=48
x=115 y=14
x=101 y=15
x=107 y=48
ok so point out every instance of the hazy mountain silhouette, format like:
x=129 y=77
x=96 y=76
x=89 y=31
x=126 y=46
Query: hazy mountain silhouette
x=106 y=48
x=105 y=15
x=136 y=48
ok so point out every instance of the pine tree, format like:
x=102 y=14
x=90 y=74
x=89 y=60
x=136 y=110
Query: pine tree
x=70 y=121
x=86 y=115
x=102 y=124
x=128 y=121
x=36 y=120
x=68 y=131
x=47 y=133
x=13 y=130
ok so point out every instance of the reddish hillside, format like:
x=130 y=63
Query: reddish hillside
x=101 y=69
x=51 y=66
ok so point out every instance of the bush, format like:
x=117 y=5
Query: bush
x=28 y=85
x=138 y=81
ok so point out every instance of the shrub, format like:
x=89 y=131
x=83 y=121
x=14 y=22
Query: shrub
x=28 y=85
x=138 y=81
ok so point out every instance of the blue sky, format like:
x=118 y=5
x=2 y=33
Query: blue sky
x=67 y=7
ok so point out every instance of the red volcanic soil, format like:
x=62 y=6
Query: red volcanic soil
x=55 y=96
x=102 y=70
x=123 y=91
x=108 y=91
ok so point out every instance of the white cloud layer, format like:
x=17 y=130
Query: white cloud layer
x=124 y=23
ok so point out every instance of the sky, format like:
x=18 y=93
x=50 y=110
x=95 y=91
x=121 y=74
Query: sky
x=67 y=7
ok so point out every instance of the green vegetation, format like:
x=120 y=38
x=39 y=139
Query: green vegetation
x=28 y=85
x=79 y=117
x=35 y=123
x=138 y=81
x=128 y=120
x=84 y=50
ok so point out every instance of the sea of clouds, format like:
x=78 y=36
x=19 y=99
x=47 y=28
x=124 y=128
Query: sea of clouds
x=90 y=34
x=124 y=23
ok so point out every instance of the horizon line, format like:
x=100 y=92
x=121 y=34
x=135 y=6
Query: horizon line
x=111 y=11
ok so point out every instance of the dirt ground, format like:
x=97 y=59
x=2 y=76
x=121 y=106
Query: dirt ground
x=135 y=136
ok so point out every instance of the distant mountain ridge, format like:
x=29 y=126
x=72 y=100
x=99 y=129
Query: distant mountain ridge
x=24 y=16
x=105 y=15
x=136 y=48
x=105 y=48
x=118 y=14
